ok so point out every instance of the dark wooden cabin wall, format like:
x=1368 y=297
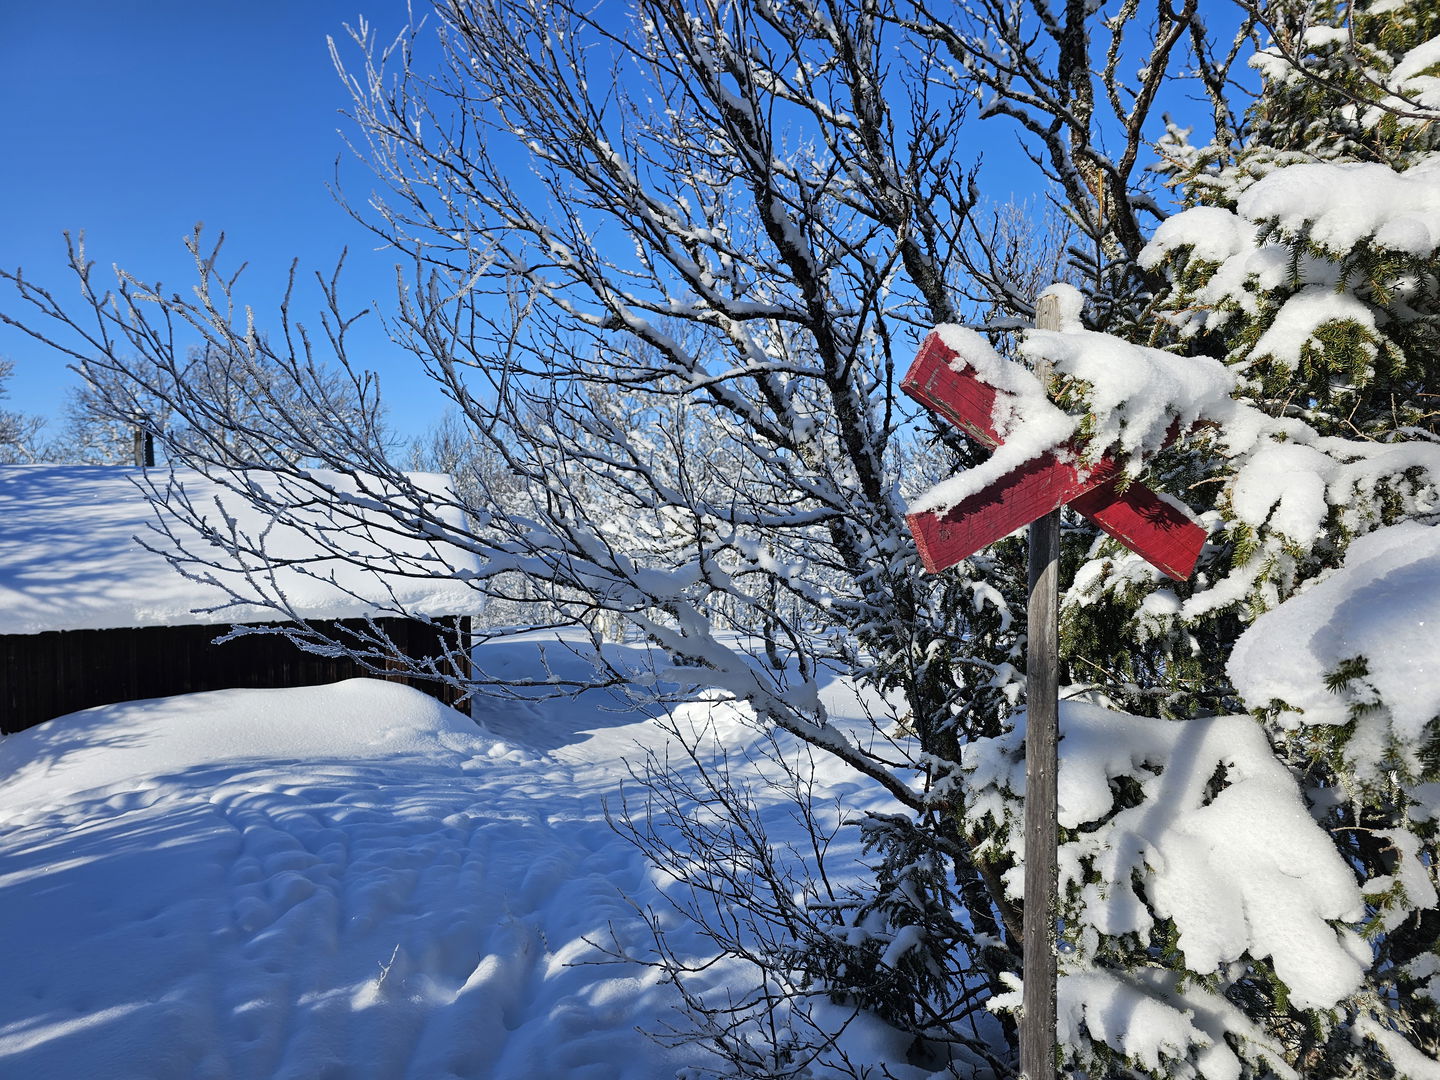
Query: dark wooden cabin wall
x=47 y=675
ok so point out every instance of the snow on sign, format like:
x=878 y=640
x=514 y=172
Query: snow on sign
x=1149 y=524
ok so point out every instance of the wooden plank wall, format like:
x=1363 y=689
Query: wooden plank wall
x=50 y=674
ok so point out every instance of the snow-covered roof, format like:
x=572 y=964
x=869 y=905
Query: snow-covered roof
x=70 y=560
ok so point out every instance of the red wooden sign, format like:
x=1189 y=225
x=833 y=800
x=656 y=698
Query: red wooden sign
x=1154 y=528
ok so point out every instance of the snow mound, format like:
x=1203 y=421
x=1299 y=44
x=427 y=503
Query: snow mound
x=355 y=882
x=117 y=745
x=351 y=882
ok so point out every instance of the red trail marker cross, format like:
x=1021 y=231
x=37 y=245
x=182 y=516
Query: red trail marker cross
x=1032 y=494
x=1145 y=522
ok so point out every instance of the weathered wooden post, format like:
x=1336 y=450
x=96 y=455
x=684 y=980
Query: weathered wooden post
x=1032 y=494
x=144 y=447
x=1042 y=736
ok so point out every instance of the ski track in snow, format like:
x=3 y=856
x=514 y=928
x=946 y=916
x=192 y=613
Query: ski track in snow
x=331 y=918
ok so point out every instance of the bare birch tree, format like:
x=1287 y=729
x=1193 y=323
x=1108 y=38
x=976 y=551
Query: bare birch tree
x=669 y=266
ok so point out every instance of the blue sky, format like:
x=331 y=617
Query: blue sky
x=135 y=119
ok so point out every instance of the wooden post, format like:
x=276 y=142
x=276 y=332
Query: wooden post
x=144 y=448
x=1042 y=695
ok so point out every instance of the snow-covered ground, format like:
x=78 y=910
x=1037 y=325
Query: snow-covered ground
x=323 y=883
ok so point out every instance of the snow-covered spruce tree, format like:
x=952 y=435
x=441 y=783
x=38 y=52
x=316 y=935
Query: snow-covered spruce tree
x=1309 y=262
x=1357 y=90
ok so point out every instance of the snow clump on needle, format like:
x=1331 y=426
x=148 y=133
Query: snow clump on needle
x=1379 y=615
x=1339 y=206
x=1216 y=845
